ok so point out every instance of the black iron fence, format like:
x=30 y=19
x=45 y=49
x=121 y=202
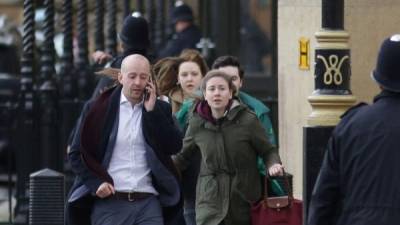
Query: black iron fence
x=41 y=109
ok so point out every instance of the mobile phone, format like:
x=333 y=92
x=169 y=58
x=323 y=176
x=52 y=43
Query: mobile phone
x=146 y=94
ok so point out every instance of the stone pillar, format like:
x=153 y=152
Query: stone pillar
x=332 y=94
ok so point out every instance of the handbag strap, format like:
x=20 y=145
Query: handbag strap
x=285 y=181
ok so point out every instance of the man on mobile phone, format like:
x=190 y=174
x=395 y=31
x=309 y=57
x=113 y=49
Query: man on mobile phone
x=120 y=155
x=134 y=37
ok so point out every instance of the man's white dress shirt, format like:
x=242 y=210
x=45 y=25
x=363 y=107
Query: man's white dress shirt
x=128 y=166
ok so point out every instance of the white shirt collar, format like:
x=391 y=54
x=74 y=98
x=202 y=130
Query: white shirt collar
x=124 y=100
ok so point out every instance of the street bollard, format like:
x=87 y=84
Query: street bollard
x=46 y=198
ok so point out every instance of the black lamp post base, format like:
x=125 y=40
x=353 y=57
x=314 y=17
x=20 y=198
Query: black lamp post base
x=315 y=142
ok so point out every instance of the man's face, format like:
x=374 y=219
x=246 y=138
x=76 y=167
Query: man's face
x=181 y=25
x=233 y=72
x=135 y=74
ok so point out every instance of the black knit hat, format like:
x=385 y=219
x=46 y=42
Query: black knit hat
x=181 y=12
x=387 y=71
x=135 y=32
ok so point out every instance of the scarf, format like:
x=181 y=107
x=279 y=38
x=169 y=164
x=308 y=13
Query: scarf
x=96 y=129
x=205 y=112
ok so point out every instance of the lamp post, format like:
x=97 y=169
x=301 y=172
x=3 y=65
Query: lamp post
x=332 y=95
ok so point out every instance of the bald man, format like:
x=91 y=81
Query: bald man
x=121 y=155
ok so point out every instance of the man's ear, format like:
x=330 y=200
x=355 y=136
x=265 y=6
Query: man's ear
x=241 y=83
x=119 y=77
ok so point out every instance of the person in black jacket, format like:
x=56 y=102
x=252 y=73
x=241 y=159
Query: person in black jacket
x=121 y=155
x=358 y=183
x=187 y=34
x=134 y=37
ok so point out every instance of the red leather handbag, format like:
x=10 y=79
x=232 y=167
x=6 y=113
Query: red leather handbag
x=282 y=210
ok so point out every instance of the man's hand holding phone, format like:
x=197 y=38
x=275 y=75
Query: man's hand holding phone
x=149 y=96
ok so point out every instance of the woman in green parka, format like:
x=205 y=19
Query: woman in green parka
x=229 y=137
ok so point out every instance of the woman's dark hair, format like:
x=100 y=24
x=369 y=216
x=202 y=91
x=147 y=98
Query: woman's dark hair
x=228 y=60
x=221 y=74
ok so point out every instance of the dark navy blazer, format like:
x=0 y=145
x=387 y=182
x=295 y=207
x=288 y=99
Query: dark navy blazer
x=162 y=139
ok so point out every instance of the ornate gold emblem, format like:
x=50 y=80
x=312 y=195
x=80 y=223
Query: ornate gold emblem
x=332 y=69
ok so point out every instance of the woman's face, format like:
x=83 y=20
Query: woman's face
x=217 y=93
x=189 y=77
